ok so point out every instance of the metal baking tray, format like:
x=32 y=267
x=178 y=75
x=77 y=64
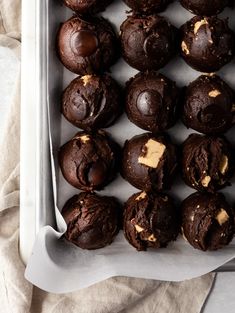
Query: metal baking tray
x=36 y=183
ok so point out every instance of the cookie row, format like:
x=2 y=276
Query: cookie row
x=149 y=161
x=200 y=7
x=87 y=46
x=152 y=101
x=149 y=220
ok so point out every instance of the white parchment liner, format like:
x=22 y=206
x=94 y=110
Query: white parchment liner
x=60 y=267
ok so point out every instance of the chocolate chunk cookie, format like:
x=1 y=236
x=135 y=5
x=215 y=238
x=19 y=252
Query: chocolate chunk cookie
x=207 y=221
x=209 y=105
x=91 y=102
x=89 y=161
x=205 y=8
x=149 y=162
x=92 y=221
x=148 y=42
x=87 y=46
x=147 y=6
x=151 y=101
x=207 y=43
x=207 y=162
x=150 y=220
x=87 y=6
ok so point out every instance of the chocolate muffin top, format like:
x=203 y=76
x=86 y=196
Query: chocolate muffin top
x=87 y=46
x=92 y=220
x=151 y=101
x=89 y=161
x=207 y=221
x=150 y=220
x=209 y=105
x=91 y=102
x=148 y=42
x=207 y=43
x=207 y=162
x=149 y=162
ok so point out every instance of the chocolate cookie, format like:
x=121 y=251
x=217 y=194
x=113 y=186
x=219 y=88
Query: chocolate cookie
x=91 y=102
x=89 y=161
x=149 y=162
x=205 y=8
x=148 y=6
x=87 y=6
x=92 y=221
x=207 y=221
x=150 y=220
x=148 y=42
x=207 y=162
x=209 y=105
x=151 y=101
x=87 y=46
x=207 y=43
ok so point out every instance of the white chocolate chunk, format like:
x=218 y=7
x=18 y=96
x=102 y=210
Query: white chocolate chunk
x=154 y=153
x=141 y=196
x=222 y=217
x=86 y=79
x=223 y=164
x=205 y=181
x=152 y=238
x=214 y=93
x=199 y=24
x=184 y=48
x=138 y=228
x=84 y=138
x=165 y=199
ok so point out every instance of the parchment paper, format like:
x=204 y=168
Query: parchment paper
x=60 y=267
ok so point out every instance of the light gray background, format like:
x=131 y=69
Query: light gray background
x=222 y=298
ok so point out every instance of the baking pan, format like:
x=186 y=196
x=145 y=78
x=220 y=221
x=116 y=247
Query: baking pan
x=43 y=79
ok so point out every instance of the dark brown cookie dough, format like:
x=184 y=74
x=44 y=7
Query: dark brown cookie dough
x=207 y=162
x=87 y=46
x=87 y=6
x=205 y=8
x=147 y=6
x=150 y=220
x=149 y=162
x=207 y=43
x=209 y=105
x=91 y=102
x=92 y=221
x=207 y=221
x=148 y=42
x=89 y=161
x=151 y=101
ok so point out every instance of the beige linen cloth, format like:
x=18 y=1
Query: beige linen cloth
x=120 y=294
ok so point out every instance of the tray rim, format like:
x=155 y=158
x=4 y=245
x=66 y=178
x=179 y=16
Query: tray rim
x=33 y=163
x=35 y=169
x=27 y=158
